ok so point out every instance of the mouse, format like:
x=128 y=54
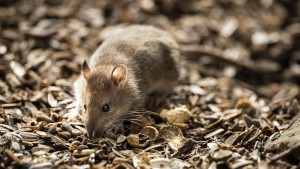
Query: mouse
x=130 y=65
x=125 y=69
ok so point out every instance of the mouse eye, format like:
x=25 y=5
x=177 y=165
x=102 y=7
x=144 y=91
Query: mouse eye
x=84 y=106
x=105 y=108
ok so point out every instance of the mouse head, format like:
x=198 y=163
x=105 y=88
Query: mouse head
x=108 y=96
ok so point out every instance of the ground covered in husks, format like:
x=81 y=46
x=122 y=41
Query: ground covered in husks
x=237 y=111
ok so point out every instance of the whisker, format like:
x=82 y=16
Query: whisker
x=131 y=116
x=119 y=120
x=120 y=125
x=137 y=123
x=127 y=117
x=115 y=126
x=136 y=120
x=142 y=112
x=126 y=127
x=134 y=113
x=131 y=121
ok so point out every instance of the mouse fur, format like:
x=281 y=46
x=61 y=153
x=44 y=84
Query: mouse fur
x=127 y=67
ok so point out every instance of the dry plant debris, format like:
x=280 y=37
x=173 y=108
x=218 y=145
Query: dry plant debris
x=220 y=115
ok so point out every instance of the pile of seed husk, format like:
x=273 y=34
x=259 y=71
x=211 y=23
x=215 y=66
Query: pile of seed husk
x=238 y=112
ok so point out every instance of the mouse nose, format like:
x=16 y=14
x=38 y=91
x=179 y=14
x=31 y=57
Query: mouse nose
x=95 y=133
x=91 y=133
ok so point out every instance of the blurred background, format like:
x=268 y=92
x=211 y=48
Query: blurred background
x=45 y=40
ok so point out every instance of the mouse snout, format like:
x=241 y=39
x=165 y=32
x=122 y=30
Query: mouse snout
x=95 y=132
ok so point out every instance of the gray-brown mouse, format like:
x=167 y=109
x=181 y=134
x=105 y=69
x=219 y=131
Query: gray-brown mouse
x=127 y=67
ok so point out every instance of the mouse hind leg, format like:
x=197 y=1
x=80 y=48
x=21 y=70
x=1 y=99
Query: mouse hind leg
x=156 y=101
x=157 y=97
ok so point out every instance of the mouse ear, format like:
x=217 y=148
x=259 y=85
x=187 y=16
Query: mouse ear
x=85 y=69
x=119 y=75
